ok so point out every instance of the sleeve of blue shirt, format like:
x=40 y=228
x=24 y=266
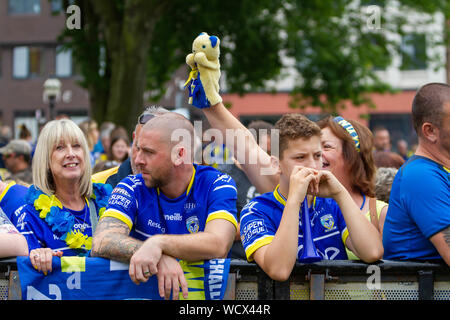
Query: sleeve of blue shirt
x=30 y=226
x=257 y=229
x=222 y=200
x=12 y=198
x=426 y=197
x=122 y=202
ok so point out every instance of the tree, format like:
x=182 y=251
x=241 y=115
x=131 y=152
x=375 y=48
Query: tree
x=125 y=47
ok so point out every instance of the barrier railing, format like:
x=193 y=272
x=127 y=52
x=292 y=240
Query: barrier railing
x=343 y=280
x=324 y=280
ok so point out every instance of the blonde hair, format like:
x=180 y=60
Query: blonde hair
x=53 y=133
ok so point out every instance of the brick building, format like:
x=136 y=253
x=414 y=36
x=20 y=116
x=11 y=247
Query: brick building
x=29 y=54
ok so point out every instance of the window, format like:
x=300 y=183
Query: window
x=24 y=6
x=63 y=62
x=56 y=6
x=27 y=62
x=413 y=52
x=20 y=62
x=36 y=63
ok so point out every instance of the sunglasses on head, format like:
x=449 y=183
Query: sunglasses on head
x=143 y=118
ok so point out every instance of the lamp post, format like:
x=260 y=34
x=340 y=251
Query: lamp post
x=52 y=92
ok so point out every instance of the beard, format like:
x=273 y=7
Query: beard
x=154 y=182
x=155 y=179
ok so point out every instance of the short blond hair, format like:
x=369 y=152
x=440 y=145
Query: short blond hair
x=53 y=133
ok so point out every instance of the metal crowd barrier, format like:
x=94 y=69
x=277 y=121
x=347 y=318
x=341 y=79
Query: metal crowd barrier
x=343 y=280
x=324 y=280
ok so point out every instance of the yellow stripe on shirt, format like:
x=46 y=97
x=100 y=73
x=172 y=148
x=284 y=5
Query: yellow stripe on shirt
x=191 y=182
x=102 y=176
x=6 y=189
x=261 y=242
x=118 y=215
x=222 y=214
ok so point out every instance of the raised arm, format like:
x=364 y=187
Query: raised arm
x=255 y=162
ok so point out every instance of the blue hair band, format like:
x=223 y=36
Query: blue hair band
x=349 y=128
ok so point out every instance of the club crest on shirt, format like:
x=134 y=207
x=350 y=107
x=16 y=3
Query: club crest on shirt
x=192 y=224
x=327 y=222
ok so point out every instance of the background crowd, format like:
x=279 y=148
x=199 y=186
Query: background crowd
x=56 y=191
x=109 y=146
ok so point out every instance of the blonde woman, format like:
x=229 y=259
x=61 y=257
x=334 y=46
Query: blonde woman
x=62 y=204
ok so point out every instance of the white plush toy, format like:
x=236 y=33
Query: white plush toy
x=205 y=58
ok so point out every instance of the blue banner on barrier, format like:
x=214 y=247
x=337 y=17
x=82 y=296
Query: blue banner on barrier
x=81 y=278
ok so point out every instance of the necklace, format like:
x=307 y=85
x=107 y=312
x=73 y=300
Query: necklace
x=76 y=213
x=364 y=201
x=61 y=220
x=83 y=223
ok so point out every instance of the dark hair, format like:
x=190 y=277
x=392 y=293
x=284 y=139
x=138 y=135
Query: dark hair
x=379 y=128
x=24 y=133
x=361 y=165
x=428 y=105
x=386 y=159
x=113 y=141
x=293 y=126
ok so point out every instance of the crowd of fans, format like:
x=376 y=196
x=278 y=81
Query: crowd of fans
x=343 y=171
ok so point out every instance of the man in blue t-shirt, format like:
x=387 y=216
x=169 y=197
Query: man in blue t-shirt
x=173 y=209
x=417 y=224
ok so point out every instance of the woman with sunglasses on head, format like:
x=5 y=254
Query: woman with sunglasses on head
x=347 y=152
x=63 y=205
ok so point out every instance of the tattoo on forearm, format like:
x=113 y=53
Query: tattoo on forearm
x=447 y=236
x=6 y=225
x=112 y=241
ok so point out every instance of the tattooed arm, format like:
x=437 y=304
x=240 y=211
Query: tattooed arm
x=441 y=241
x=112 y=241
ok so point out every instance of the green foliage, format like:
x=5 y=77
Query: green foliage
x=334 y=55
x=335 y=52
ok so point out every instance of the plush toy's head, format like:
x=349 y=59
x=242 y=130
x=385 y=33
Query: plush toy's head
x=207 y=44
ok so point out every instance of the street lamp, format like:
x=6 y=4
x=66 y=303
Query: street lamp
x=52 y=92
